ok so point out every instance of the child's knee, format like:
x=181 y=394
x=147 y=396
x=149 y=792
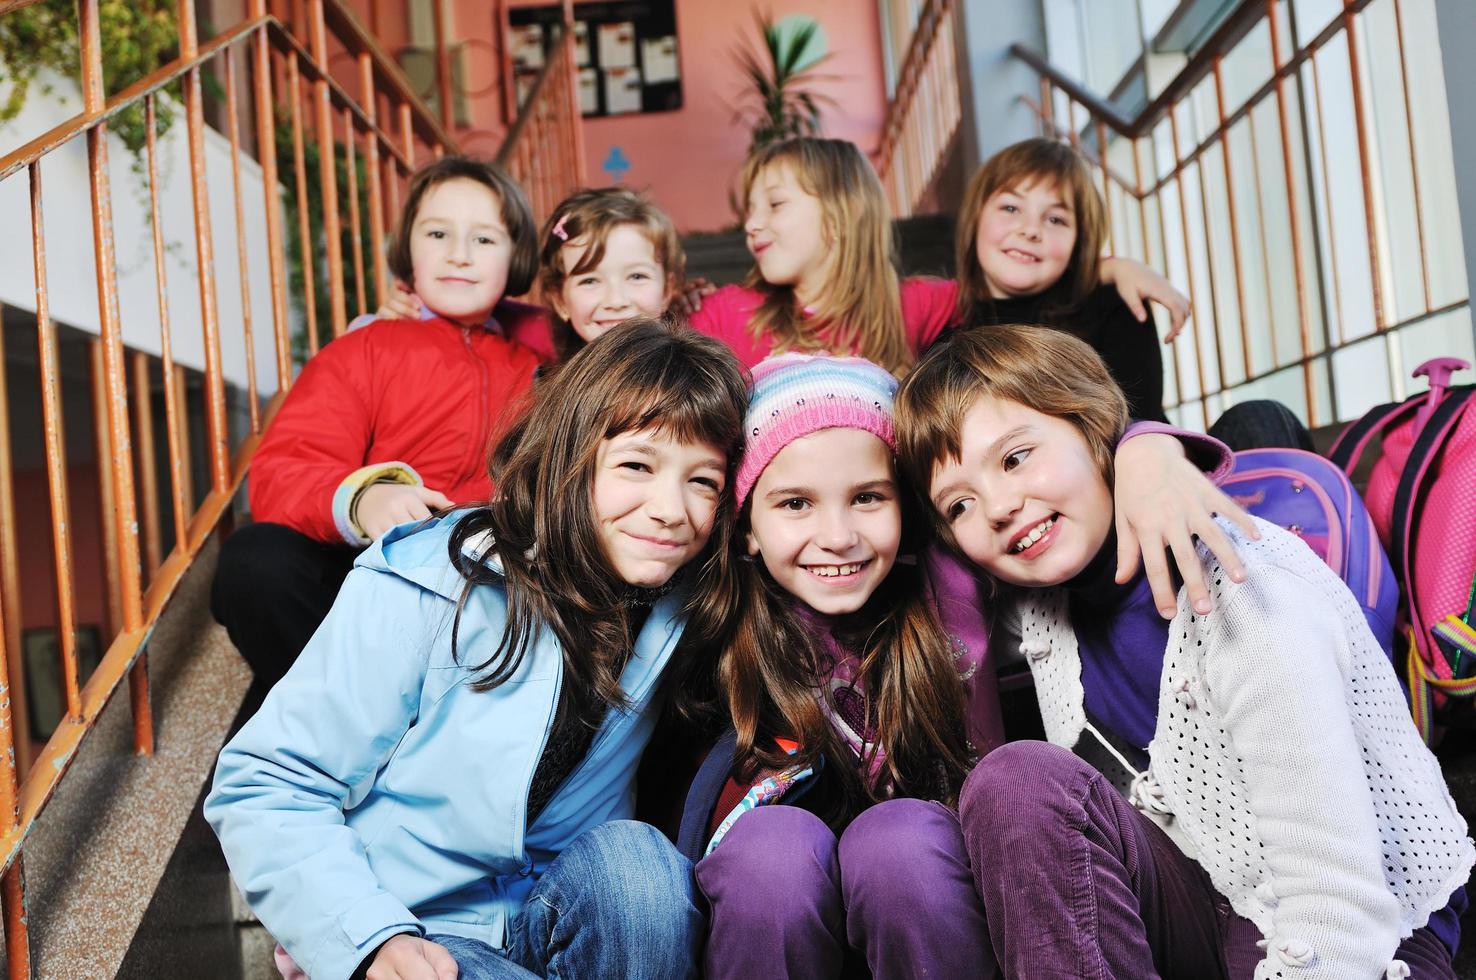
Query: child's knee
x=792 y=848
x=900 y=849
x=1020 y=784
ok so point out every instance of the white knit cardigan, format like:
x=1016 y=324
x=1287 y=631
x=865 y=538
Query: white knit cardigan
x=1285 y=755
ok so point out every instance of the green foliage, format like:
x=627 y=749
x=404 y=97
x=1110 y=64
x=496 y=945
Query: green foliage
x=137 y=37
x=296 y=267
x=778 y=102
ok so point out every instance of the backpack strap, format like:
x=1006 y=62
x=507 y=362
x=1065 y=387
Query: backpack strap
x=1422 y=457
x=702 y=797
x=1349 y=446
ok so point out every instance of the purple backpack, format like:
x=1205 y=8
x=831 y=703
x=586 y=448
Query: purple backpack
x=1313 y=499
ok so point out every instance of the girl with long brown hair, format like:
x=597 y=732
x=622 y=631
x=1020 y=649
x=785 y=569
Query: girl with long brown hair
x=444 y=780
x=845 y=698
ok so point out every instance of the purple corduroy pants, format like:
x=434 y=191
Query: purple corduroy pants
x=1081 y=886
x=788 y=899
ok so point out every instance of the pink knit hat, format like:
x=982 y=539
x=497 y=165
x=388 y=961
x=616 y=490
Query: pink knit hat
x=795 y=394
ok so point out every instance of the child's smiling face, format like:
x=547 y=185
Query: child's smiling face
x=826 y=520
x=1025 y=499
x=655 y=499
x=1025 y=238
x=460 y=250
x=629 y=281
x=785 y=229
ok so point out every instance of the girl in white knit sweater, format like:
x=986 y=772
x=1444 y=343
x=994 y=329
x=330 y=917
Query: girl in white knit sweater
x=1282 y=819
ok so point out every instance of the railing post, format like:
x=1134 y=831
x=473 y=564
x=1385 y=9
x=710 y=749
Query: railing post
x=1304 y=309
x=266 y=145
x=215 y=410
x=124 y=531
x=1361 y=123
x=10 y=595
x=233 y=124
x=17 y=930
x=443 y=66
x=327 y=166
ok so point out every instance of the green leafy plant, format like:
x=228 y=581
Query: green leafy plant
x=778 y=101
x=137 y=37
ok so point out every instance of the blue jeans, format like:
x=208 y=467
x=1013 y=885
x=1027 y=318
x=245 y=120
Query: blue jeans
x=618 y=902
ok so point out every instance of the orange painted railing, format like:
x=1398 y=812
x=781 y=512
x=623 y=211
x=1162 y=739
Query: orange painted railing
x=544 y=149
x=1227 y=180
x=925 y=111
x=381 y=122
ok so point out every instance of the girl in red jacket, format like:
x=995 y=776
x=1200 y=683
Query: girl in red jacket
x=392 y=421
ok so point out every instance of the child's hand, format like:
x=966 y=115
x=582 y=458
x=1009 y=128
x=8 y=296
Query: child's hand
x=1137 y=282
x=383 y=505
x=689 y=300
x=1163 y=503
x=402 y=304
x=407 y=957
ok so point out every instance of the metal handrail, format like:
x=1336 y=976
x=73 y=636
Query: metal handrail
x=1289 y=63
x=544 y=147
x=280 y=62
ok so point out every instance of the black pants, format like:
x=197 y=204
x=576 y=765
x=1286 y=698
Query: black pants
x=272 y=588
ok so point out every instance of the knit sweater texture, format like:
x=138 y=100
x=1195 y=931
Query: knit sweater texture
x=1286 y=760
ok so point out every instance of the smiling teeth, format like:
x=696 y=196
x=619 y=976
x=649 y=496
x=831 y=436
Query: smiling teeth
x=834 y=571
x=1036 y=533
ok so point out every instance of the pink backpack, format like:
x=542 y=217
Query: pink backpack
x=1422 y=497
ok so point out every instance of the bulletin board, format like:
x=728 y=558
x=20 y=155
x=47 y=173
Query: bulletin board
x=627 y=53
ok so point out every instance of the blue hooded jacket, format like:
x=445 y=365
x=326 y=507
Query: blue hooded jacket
x=376 y=792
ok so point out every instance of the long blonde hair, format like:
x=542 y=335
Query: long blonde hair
x=859 y=310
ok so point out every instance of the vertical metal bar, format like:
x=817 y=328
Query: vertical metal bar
x=373 y=173
x=1163 y=241
x=356 y=234
x=1047 y=95
x=443 y=66
x=266 y=142
x=1360 y=117
x=215 y=411
x=1414 y=165
x=110 y=358
x=1173 y=115
x=1106 y=182
x=1245 y=351
x=186 y=448
x=9 y=777
x=1332 y=246
x=56 y=450
x=392 y=190
x=17 y=931
x=1071 y=132
x=1250 y=122
x=304 y=219
x=1304 y=316
x=107 y=490
x=148 y=462
x=327 y=167
x=172 y=403
x=407 y=135
x=10 y=592
x=233 y=124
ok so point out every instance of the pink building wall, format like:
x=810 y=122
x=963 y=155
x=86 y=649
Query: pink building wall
x=688 y=159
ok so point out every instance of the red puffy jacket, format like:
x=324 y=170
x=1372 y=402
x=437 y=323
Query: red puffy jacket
x=425 y=393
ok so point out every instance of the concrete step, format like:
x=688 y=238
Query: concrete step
x=100 y=849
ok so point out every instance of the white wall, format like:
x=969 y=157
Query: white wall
x=67 y=211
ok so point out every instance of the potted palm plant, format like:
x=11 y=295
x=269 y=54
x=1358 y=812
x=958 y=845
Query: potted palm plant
x=778 y=100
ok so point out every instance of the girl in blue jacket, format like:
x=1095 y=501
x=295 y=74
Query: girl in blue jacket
x=444 y=781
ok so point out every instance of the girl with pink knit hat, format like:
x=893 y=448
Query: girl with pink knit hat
x=846 y=701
